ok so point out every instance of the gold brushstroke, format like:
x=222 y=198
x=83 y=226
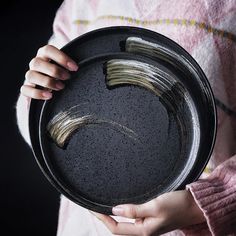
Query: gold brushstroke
x=63 y=125
x=177 y=22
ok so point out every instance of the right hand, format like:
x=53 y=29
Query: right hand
x=47 y=75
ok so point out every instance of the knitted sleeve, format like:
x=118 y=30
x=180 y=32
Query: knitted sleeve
x=62 y=25
x=216 y=197
x=61 y=34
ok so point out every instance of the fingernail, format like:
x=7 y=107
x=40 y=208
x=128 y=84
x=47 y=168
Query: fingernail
x=117 y=210
x=47 y=95
x=72 y=66
x=60 y=85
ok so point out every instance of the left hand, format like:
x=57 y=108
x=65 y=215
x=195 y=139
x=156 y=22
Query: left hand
x=170 y=211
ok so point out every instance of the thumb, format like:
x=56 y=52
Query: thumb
x=136 y=211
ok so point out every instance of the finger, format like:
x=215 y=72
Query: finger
x=45 y=67
x=32 y=92
x=36 y=78
x=119 y=228
x=148 y=209
x=50 y=52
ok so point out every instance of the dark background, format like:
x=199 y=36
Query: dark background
x=29 y=204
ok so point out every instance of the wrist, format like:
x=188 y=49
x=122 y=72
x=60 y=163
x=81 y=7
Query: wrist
x=197 y=215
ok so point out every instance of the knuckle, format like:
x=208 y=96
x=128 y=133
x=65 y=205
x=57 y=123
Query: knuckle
x=62 y=59
x=55 y=72
x=47 y=48
x=156 y=208
x=28 y=74
x=40 y=50
x=22 y=89
x=47 y=83
x=43 y=50
x=132 y=212
x=158 y=205
x=34 y=63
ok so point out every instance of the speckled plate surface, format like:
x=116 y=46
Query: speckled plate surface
x=101 y=167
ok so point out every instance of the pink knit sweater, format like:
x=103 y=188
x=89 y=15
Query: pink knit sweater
x=207 y=30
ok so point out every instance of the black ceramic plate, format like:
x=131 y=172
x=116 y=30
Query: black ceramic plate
x=101 y=166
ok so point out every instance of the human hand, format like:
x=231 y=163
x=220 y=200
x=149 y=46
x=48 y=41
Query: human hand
x=46 y=74
x=170 y=211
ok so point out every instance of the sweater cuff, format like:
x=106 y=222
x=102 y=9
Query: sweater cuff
x=198 y=229
x=217 y=200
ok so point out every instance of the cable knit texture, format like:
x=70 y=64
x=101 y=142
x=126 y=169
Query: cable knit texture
x=207 y=30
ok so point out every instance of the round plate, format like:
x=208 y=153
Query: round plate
x=103 y=165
